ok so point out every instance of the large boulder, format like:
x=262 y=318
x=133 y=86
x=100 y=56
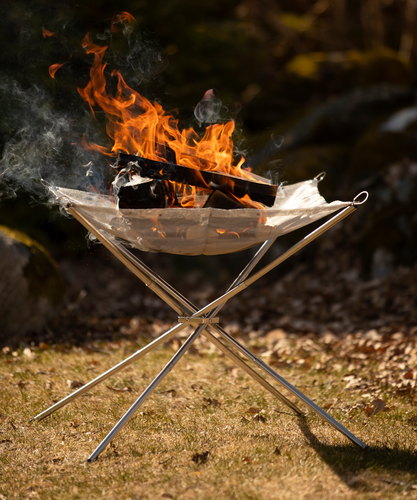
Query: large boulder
x=31 y=287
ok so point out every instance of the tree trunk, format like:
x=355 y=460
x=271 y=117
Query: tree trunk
x=373 y=23
x=407 y=38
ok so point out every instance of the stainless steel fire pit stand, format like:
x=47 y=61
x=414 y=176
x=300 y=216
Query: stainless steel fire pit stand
x=203 y=319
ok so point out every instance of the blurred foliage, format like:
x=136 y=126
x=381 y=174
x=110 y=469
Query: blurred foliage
x=258 y=53
x=359 y=67
x=294 y=68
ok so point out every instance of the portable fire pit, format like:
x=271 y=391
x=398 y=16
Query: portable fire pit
x=187 y=193
x=202 y=231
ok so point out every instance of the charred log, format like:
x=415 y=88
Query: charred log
x=148 y=193
x=206 y=179
x=217 y=199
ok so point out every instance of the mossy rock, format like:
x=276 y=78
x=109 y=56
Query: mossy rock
x=31 y=286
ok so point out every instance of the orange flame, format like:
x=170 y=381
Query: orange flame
x=121 y=18
x=136 y=125
x=47 y=33
x=227 y=232
x=139 y=127
x=55 y=67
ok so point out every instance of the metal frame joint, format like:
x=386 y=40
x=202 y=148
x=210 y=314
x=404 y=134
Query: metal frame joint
x=198 y=320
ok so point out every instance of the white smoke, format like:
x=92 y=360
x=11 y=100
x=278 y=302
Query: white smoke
x=40 y=143
x=209 y=109
x=42 y=126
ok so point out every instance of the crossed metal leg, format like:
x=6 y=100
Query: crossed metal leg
x=204 y=319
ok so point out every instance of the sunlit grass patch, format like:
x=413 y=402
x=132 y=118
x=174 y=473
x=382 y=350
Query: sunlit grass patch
x=207 y=431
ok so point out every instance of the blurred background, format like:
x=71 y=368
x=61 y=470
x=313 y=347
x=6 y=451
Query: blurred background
x=335 y=79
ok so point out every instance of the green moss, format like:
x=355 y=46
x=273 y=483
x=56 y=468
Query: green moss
x=41 y=272
x=381 y=64
x=358 y=66
x=306 y=65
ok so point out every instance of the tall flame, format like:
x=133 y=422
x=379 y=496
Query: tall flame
x=136 y=125
x=139 y=127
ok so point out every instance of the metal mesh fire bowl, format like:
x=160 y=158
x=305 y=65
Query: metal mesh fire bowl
x=208 y=231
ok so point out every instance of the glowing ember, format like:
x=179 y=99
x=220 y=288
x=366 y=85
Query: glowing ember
x=55 y=67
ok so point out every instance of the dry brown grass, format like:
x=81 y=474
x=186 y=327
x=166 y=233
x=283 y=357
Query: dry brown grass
x=202 y=406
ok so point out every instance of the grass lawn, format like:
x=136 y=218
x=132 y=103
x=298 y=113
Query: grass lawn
x=208 y=431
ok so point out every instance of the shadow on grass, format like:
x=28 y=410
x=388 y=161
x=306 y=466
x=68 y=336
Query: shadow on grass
x=348 y=460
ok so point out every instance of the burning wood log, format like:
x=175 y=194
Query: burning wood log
x=145 y=193
x=206 y=179
x=217 y=199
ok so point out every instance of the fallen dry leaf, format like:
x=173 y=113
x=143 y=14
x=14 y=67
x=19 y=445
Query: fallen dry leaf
x=118 y=389
x=259 y=418
x=200 y=458
x=212 y=402
x=253 y=410
x=170 y=392
x=27 y=352
x=74 y=384
x=404 y=388
x=149 y=413
x=353 y=382
x=413 y=420
x=375 y=407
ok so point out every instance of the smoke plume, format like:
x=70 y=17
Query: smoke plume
x=43 y=123
x=40 y=143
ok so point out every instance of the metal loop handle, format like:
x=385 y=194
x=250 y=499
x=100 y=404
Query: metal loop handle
x=358 y=201
x=320 y=176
